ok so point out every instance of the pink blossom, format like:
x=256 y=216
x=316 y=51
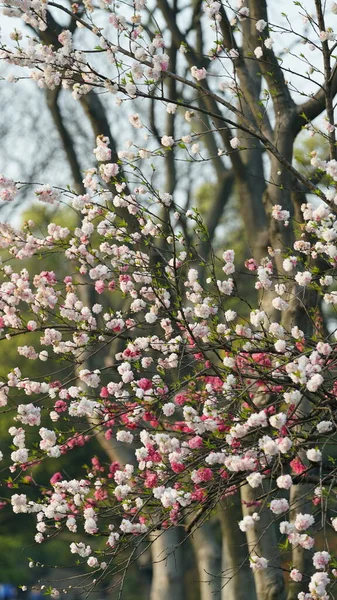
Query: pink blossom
x=167 y=141
x=303 y=521
x=296 y=575
x=196 y=442
x=198 y=74
x=284 y=482
x=297 y=466
x=279 y=506
x=99 y=286
x=257 y=563
x=321 y=559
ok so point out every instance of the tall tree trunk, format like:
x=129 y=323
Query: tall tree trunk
x=207 y=549
x=262 y=541
x=237 y=578
x=167 y=565
x=301 y=559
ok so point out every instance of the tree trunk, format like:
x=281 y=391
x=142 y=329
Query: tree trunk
x=208 y=556
x=262 y=541
x=237 y=578
x=167 y=564
x=301 y=559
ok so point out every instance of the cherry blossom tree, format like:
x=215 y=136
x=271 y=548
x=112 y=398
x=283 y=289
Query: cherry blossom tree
x=218 y=402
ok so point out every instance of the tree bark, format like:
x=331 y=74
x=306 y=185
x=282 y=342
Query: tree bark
x=262 y=541
x=237 y=578
x=167 y=564
x=300 y=559
x=207 y=550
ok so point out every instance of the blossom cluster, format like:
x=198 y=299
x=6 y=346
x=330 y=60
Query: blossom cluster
x=208 y=402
